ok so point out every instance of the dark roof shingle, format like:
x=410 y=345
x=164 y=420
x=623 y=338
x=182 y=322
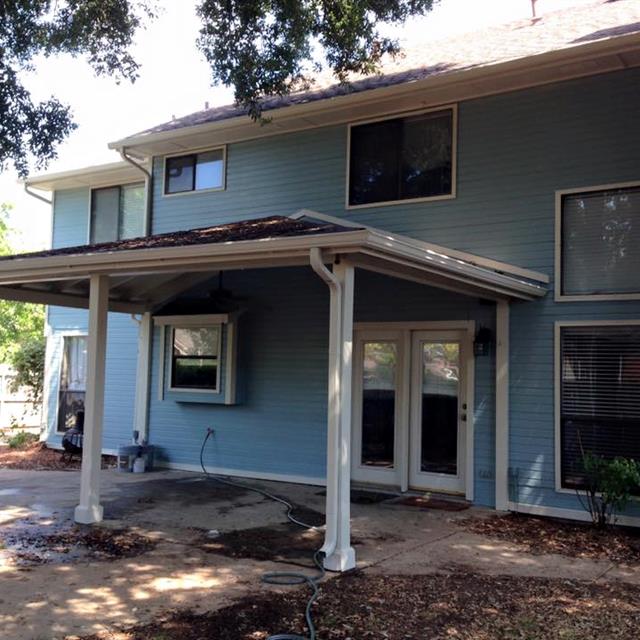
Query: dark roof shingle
x=256 y=229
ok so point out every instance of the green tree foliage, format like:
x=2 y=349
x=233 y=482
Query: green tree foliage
x=28 y=363
x=19 y=322
x=271 y=47
x=100 y=30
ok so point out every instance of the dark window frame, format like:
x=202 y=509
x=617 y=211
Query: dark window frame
x=451 y=109
x=120 y=211
x=194 y=164
x=216 y=357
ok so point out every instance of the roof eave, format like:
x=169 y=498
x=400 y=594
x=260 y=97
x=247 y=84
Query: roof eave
x=553 y=66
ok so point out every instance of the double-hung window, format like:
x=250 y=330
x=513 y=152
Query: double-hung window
x=598 y=248
x=599 y=394
x=402 y=159
x=195 y=359
x=117 y=213
x=195 y=172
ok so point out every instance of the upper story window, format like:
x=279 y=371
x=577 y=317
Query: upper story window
x=599 y=243
x=402 y=159
x=194 y=172
x=117 y=213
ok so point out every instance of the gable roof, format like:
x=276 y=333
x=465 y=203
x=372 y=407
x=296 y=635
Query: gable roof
x=556 y=31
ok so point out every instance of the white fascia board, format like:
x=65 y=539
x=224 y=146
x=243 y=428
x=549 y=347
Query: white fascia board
x=447 y=265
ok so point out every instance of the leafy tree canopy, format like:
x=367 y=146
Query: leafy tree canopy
x=260 y=48
x=271 y=47
x=100 y=30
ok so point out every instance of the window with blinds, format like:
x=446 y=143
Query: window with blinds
x=117 y=213
x=600 y=242
x=599 y=395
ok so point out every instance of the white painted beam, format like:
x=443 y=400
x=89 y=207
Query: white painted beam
x=502 y=405
x=89 y=510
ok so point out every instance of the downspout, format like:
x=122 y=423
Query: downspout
x=148 y=183
x=333 y=424
x=36 y=195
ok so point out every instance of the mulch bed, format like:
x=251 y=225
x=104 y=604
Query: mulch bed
x=540 y=535
x=39 y=457
x=466 y=606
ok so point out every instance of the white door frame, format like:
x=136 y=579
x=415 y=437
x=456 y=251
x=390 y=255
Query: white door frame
x=368 y=331
x=432 y=480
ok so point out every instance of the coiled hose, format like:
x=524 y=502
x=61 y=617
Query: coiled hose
x=280 y=578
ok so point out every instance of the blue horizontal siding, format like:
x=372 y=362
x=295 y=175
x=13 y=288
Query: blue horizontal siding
x=514 y=151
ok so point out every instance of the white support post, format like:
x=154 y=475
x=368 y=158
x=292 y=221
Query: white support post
x=141 y=407
x=89 y=510
x=343 y=556
x=502 y=405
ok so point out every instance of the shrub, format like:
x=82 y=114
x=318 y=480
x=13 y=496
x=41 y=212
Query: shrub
x=22 y=439
x=608 y=486
x=28 y=362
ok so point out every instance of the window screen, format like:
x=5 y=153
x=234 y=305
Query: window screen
x=599 y=395
x=194 y=172
x=195 y=358
x=117 y=213
x=401 y=159
x=601 y=242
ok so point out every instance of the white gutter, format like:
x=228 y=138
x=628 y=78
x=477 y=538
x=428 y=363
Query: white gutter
x=333 y=408
x=148 y=186
x=37 y=196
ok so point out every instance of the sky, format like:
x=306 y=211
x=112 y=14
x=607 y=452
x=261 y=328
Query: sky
x=175 y=80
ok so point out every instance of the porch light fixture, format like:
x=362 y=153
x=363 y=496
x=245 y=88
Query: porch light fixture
x=482 y=341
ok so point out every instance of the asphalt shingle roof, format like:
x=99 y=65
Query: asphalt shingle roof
x=257 y=229
x=602 y=20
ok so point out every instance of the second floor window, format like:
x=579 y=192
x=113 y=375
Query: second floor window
x=194 y=172
x=400 y=159
x=600 y=242
x=117 y=213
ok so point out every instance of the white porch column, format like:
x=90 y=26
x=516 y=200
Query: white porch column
x=141 y=407
x=89 y=510
x=502 y=405
x=343 y=557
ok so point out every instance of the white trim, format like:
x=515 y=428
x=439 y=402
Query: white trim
x=567 y=514
x=434 y=325
x=162 y=347
x=454 y=155
x=558 y=325
x=95 y=176
x=587 y=297
x=242 y=473
x=216 y=390
x=195 y=152
x=143 y=377
x=194 y=320
x=502 y=406
x=230 y=386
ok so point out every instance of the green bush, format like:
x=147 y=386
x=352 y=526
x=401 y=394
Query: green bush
x=609 y=485
x=22 y=439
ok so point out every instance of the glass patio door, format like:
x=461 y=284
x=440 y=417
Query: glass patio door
x=377 y=391
x=438 y=411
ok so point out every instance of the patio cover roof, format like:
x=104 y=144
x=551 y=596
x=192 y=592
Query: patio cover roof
x=147 y=272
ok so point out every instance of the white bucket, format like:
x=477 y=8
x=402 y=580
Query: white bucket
x=139 y=465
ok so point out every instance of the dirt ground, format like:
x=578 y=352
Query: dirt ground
x=175 y=541
x=37 y=457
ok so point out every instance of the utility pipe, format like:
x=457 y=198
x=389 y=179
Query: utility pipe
x=333 y=418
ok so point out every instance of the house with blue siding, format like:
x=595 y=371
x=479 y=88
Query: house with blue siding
x=427 y=280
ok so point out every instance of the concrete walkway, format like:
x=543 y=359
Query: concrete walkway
x=174 y=508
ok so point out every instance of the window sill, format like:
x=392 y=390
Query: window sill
x=390 y=203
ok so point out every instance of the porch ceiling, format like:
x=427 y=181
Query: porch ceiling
x=146 y=273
